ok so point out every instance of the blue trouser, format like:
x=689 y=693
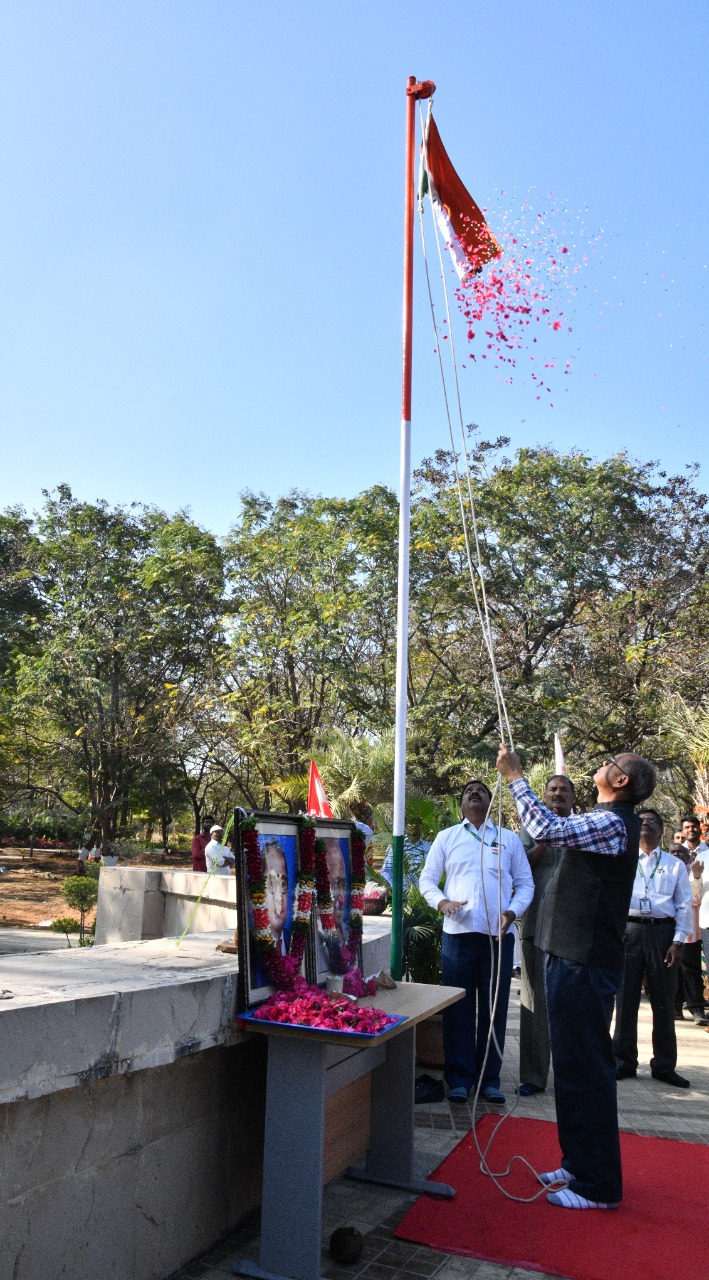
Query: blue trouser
x=468 y=962
x=580 y=1003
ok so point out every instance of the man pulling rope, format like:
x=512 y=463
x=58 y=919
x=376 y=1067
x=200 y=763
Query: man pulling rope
x=580 y=927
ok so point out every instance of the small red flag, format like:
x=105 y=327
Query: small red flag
x=318 y=803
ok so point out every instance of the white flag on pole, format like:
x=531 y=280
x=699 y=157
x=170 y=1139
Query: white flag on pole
x=559 y=766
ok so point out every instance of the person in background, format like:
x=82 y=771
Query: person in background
x=486 y=869
x=580 y=927
x=659 y=921
x=534 y=1051
x=702 y=880
x=218 y=858
x=692 y=983
x=414 y=858
x=678 y=850
x=199 y=844
x=81 y=859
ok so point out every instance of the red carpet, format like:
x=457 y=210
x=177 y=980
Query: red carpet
x=660 y=1231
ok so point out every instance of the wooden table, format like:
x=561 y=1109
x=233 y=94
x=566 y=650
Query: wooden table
x=305 y=1067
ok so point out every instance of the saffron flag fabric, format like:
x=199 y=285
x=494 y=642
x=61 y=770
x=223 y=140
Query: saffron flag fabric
x=459 y=218
x=318 y=803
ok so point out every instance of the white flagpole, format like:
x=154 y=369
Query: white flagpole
x=414 y=92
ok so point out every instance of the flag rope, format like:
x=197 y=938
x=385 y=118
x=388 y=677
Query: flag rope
x=483 y=612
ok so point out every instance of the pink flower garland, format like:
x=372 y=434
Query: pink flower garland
x=282 y=971
x=342 y=959
x=310 y=1007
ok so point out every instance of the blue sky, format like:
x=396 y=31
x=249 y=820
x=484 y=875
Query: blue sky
x=201 y=248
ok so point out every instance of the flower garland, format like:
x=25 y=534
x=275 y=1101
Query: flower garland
x=342 y=959
x=283 y=970
x=311 y=1007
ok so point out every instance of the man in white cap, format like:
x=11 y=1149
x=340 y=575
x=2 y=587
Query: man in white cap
x=219 y=859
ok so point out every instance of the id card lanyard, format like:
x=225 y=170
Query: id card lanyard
x=494 y=848
x=645 y=904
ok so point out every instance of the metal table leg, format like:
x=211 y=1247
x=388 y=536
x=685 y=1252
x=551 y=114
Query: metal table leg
x=291 y=1213
x=390 y=1159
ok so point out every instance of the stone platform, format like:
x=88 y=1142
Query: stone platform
x=131 y=1108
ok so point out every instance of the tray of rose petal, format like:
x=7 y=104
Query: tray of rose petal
x=319 y=1013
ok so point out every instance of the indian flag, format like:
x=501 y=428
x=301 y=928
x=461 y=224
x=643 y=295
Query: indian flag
x=461 y=222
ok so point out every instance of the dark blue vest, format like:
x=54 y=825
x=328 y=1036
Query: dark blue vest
x=583 y=913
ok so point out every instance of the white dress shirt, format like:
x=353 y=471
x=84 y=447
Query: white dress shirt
x=461 y=854
x=218 y=859
x=699 y=889
x=662 y=878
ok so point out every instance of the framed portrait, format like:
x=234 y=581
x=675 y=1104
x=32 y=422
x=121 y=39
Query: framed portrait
x=267 y=871
x=338 y=922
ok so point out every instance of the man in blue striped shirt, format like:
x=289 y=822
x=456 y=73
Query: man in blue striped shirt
x=580 y=929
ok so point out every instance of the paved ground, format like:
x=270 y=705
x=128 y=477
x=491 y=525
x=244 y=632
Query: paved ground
x=645 y=1107
x=13 y=941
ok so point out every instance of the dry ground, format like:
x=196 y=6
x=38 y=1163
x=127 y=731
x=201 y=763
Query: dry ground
x=31 y=888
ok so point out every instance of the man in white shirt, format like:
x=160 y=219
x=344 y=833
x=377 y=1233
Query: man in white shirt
x=218 y=858
x=488 y=882
x=659 y=923
x=692 y=982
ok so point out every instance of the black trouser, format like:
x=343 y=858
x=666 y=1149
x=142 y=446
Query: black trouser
x=646 y=945
x=580 y=1003
x=534 y=1050
x=692 y=976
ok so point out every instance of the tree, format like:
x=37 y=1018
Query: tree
x=81 y=893
x=132 y=613
x=313 y=583
x=590 y=570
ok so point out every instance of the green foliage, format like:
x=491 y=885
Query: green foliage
x=132 y=602
x=151 y=673
x=65 y=925
x=81 y=893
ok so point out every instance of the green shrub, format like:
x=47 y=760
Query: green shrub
x=65 y=925
x=81 y=893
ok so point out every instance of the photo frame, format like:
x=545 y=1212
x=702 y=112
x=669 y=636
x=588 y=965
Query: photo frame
x=338 y=926
x=267 y=844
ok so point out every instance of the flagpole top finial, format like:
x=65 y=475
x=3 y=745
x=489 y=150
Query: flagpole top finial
x=424 y=89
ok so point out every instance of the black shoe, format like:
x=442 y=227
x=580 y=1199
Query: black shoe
x=700 y=1020
x=671 y=1077
x=428 y=1089
x=626 y=1073
x=526 y=1089
x=679 y=1016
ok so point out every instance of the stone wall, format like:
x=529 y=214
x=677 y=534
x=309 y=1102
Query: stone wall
x=128 y=1178
x=132 y=1108
x=135 y=903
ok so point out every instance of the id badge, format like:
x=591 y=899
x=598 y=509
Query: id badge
x=645 y=907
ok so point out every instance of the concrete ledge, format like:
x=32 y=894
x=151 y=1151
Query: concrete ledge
x=77 y=1016
x=136 y=903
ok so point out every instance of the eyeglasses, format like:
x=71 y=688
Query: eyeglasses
x=610 y=760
